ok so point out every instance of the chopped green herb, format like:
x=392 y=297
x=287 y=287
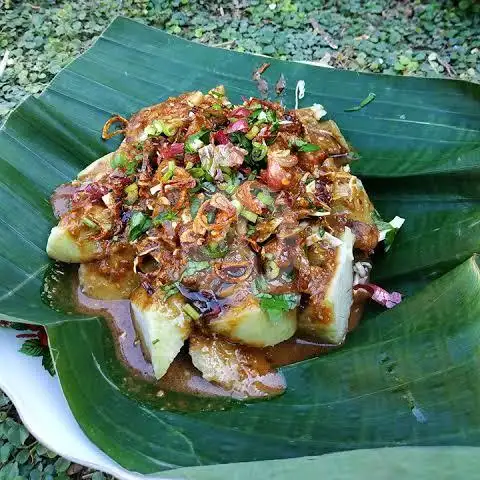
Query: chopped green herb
x=163 y=127
x=191 y=312
x=236 y=203
x=216 y=106
x=151 y=131
x=119 y=160
x=259 y=151
x=195 y=203
x=211 y=216
x=370 y=98
x=195 y=267
x=259 y=286
x=139 y=223
x=387 y=230
x=167 y=216
x=265 y=198
x=169 y=290
x=216 y=250
x=251 y=230
x=170 y=171
x=303 y=146
x=241 y=140
x=283 y=303
x=139 y=146
x=197 y=172
x=131 y=167
x=89 y=223
x=155 y=341
x=196 y=141
x=232 y=181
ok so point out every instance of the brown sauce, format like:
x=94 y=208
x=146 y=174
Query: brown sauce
x=182 y=376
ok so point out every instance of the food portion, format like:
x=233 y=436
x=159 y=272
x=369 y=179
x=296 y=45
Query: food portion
x=231 y=228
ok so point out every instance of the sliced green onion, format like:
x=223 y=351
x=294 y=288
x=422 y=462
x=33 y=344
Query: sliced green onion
x=189 y=165
x=216 y=106
x=253 y=132
x=169 y=130
x=190 y=311
x=271 y=116
x=237 y=205
x=262 y=116
x=310 y=187
x=250 y=216
x=259 y=151
x=132 y=193
x=89 y=223
x=197 y=172
x=271 y=270
x=170 y=171
x=155 y=341
x=194 y=142
x=150 y=131
x=265 y=198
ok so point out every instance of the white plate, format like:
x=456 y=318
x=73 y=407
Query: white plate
x=49 y=418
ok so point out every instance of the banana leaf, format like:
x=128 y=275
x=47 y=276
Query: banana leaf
x=406 y=377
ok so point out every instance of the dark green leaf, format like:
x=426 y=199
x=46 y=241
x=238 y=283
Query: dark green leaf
x=22 y=456
x=47 y=362
x=5 y=451
x=9 y=471
x=195 y=267
x=17 y=435
x=303 y=146
x=61 y=465
x=139 y=223
x=32 y=347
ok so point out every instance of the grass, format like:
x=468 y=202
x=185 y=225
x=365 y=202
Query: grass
x=433 y=38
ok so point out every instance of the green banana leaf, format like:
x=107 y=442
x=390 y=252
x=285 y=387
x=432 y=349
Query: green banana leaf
x=406 y=377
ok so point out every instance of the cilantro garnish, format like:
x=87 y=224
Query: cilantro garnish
x=167 y=216
x=303 y=146
x=194 y=267
x=139 y=223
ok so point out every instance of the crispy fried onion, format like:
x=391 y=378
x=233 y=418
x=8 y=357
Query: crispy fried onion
x=284 y=158
x=225 y=215
x=246 y=197
x=233 y=272
x=173 y=192
x=114 y=119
